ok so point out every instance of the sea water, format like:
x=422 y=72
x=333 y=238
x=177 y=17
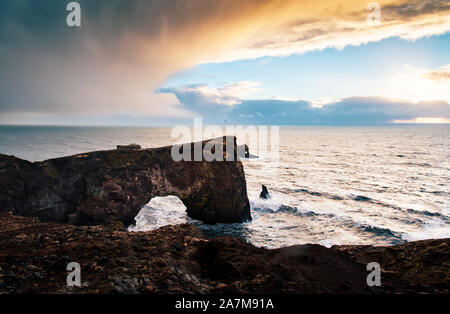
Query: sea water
x=379 y=185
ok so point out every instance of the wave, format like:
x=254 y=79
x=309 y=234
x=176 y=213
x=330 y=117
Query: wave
x=363 y=198
x=395 y=237
x=315 y=193
x=415 y=164
x=438 y=226
x=434 y=229
x=357 y=198
x=427 y=213
x=280 y=208
x=438 y=193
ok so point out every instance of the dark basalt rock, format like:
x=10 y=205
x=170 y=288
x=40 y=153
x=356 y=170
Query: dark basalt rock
x=180 y=259
x=106 y=186
x=264 y=193
x=244 y=152
x=129 y=146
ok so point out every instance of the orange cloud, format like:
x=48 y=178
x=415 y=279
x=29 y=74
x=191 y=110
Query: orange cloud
x=441 y=75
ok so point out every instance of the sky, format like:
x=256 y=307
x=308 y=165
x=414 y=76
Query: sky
x=136 y=62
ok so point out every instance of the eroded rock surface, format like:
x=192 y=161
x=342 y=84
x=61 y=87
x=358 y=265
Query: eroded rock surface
x=180 y=259
x=106 y=186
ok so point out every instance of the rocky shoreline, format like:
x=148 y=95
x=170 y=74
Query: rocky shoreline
x=75 y=209
x=180 y=259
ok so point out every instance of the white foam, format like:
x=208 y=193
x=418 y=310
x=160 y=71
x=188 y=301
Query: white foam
x=273 y=203
x=329 y=242
x=446 y=209
x=159 y=212
x=434 y=229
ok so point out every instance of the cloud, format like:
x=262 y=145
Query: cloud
x=353 y=110
x=230 y=103
x=125 y=50
x=348 y=111
x=204 y=100
x=412 y=83
x=442 y=75
x=338 y=24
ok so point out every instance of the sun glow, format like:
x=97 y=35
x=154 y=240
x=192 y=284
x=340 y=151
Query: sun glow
x=424 y=120
x=415 y=85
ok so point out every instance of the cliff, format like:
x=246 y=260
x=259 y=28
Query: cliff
x=109 y=186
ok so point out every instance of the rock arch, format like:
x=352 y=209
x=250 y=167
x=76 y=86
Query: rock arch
x=160 y=211
x=107 y=186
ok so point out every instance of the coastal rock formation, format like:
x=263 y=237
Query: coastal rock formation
x=108 y=186
x=244 y=152
x=264 y=193
x=129 y=146
x=180 y=259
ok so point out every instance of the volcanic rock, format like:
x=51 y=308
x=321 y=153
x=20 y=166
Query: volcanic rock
x=180 y=259
x=112 y=186
x=129 y=146
x=264 y=193
x=244 y=151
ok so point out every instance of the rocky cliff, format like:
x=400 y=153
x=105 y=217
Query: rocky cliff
x=180 y=259
x=108 y=186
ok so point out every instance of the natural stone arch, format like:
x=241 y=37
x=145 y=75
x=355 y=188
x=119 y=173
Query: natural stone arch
x=106 y=186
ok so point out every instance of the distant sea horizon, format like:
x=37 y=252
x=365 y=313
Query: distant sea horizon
x=221 y=123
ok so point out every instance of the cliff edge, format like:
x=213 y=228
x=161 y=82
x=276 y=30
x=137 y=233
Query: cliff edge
x=180 y=259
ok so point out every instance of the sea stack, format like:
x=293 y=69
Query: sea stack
x=264 y=193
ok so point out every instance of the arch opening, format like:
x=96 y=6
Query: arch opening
x=160 y=211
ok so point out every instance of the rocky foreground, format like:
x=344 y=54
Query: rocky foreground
x=179 y=259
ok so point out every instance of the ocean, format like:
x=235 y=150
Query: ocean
x=377 y=185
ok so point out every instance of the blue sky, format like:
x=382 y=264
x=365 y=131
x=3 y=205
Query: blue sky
x=327 y=73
